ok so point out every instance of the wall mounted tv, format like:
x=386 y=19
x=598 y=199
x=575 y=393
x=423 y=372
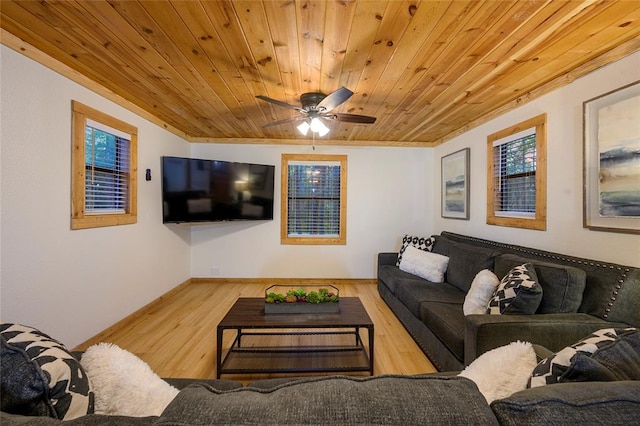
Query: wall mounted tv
x=203 y=191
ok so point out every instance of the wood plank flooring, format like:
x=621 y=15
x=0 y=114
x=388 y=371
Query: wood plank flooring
x=177 y=335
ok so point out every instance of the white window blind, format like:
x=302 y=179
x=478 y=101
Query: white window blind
x=313 y=199
x=514 y=160
x=107 y=167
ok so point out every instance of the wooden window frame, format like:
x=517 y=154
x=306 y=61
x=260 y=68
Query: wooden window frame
x=79 y=218
x=313 y=158
x=539 y=221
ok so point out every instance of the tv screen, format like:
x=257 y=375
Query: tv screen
x=195 y=190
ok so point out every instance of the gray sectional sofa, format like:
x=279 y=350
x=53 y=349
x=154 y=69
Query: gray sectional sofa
x=579 y=296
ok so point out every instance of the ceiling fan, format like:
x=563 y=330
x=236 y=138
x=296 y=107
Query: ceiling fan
x=317 y=107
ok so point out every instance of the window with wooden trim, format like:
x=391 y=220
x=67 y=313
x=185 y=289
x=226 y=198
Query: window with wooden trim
x=104 y=163
x=517 y=181
x=314 y=199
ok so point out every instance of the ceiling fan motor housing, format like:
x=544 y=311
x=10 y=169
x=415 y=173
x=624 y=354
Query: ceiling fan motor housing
x=310 y=101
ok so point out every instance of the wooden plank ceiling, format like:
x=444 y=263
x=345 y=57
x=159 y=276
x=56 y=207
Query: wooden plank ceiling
x=426 y=69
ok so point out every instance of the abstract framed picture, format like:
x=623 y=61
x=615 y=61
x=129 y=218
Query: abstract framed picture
x=455 y=185
x=612 y=161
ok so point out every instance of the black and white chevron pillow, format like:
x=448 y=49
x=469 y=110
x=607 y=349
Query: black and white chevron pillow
x=40 y=377
x=518 y=292
x=607 y=354
x=421 y=243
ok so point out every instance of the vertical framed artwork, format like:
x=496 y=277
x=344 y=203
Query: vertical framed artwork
x=455 y=185
x=612 y=161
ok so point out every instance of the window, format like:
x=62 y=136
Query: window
x=104 y=170
x=517 y=175
x=314 y=199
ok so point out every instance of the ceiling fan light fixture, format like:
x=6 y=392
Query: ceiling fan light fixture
x=317 y=126
x=304 y=128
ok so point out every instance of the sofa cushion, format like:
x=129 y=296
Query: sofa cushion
x=380 y=400
x=446 y=321
x=390 y=275
x=482 y=288
x=441 y=245
x=562 y=286
x=465 y=261
x=40 y=377
x=518 y=292
x=430 y=266
x=589 y=403
x=421 y=243
x=412 y=293
x=606 y=355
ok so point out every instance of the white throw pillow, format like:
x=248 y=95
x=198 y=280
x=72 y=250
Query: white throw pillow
x=482 y=288
x=427 y=265
x=503 y=371
x=123 y=384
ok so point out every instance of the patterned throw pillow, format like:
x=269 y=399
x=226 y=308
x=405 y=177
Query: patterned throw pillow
x=40 y=377
x=518 y=293
x=609 y=354
x=422 y=243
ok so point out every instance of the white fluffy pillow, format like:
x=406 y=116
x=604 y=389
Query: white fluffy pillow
x=503 y=371
x=427 y=265
x=123 y=384
x=482 y=288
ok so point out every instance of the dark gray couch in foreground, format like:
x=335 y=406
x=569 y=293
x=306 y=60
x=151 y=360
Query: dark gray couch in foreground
x=579 y=297
x=600 y=385
x=379 y=400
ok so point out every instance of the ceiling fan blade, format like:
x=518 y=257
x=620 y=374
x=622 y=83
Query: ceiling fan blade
x=352 y=118
x=280 y=103
x=285 y=121
x=334 y=99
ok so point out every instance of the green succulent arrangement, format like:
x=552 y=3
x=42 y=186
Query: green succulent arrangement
x=300 y=295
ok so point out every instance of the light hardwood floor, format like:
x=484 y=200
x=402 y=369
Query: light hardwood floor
x=176 y=336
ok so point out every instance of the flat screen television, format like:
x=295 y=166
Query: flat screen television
x=195 y=190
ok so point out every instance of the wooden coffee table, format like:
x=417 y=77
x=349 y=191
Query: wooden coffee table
x=292 y=343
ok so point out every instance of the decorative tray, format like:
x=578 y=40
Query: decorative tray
x=309 y=299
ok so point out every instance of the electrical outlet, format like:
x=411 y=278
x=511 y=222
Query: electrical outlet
x=215 y=271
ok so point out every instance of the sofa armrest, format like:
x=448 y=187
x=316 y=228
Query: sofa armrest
x=577 y=403
x=387 y=258
x=553 y=331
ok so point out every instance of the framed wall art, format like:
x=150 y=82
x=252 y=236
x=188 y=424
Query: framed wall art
x=612 y=161
x=455 y=185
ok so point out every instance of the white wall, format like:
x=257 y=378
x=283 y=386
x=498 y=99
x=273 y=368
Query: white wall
x=564 y=233
x=74 y=284
x=388 y=195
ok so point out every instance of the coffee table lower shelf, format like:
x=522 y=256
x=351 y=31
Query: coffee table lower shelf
x=244 y=357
